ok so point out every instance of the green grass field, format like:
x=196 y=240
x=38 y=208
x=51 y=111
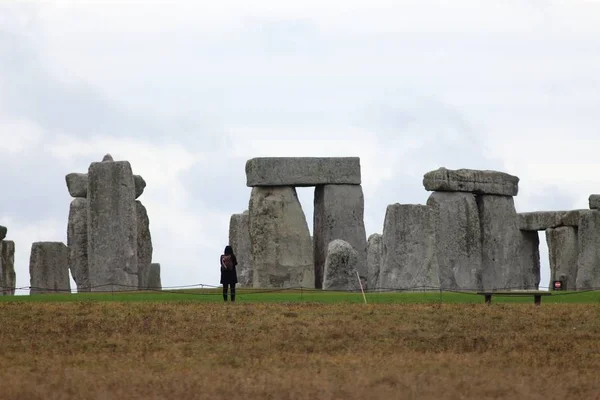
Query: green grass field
x=305 y=296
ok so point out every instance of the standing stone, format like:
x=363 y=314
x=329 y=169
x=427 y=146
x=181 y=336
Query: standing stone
x=408 y=256
x=49 y=268
x=154 y=282
x=501 y=243
x=529 y=254
x=588 y=263
x=3 y=232
x=472 y=181
x=458 y=240
x=77 y=242
x=280 y=239
x=563 y=253
x=340 y=267
x=339 y=214
x=373 y=259
x=112 y=227
x=77 y=184
x=8 y=277
x=144 y=244
x=239 y=239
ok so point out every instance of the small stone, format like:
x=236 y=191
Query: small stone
x=107 y=157
x=77 y=184
x=239 y=239
x=49 y=268
x=140 y=185
x=374 y=244
x=341 y=265
x=154 y=281
x=594 y=201
x=3 y=232
x=8 y=277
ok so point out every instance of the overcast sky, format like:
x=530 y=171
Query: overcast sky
x=187 y=91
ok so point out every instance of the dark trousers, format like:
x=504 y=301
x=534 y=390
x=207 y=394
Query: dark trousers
x=232 y=286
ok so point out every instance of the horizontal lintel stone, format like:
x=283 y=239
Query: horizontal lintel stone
x=473 y=181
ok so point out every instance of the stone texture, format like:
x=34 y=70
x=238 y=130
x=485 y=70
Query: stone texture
x=112 y=227
x=239 y=239
x=77 y=184
x=49 y=268
x=339 y=214
x=571 y=218
x=107 y=158
x=3 y=232
x=473 y=181
x=8 y=277
x=540 y=220
x=529 y=255
x=408 y=256
x=458 y=240
x=501 y=243
x=340 y=267
x=140 y=185
x=594 y=201
x=302 y=171
x=154 y=282
x=77 y=242
x=588 y=262
x=144 y=244
x=280 y=239
x=563 y=252
x=374 y=244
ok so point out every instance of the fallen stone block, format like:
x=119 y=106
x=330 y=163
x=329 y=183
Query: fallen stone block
x=8 y=277
x=540 y=220
x=49 y=268
x=239 y=240
x=594 y=201
x=144 y=244
x=77 y=242
x=472 y=181
x=374 y=244
x=563 y=251
x=339 y=214
x=302 y=171
x=154 y=282
x=340 y=267
x=588 y=262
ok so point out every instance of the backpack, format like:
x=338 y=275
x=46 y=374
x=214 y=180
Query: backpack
x=227 y=261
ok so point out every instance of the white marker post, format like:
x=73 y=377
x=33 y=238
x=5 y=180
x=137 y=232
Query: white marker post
x=361 y=287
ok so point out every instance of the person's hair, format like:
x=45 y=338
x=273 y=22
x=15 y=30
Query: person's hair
x=228 y=250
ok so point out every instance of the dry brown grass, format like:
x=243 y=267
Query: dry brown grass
x=275 y=351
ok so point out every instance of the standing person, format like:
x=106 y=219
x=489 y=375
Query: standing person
x=228 y=272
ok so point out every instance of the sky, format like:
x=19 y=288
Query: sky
x=188 y=91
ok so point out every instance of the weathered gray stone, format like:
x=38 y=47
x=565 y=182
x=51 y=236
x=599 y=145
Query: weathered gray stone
x=458 y=240
x=154 y=282
x=140 y=185
x=473 y=181
x=571 y=218
x=501 y=243
x=112 y=227
x=339 y=214
x=540 y=220
x=8 y=277
x=563 y=251
x=374 y=248
x=280 y=239
x=302 y=171
x=107 y=158
x=144 y=244
x=77 y=184
x=77 y=242
x=594 y=201
x=340 y=267
x=49 y=268
x=3 y=232
x=239 y=239
x=408 y=256
x=529 y=255
x=588 y=262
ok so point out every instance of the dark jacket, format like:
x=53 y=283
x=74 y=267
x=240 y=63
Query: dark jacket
x=230 y=275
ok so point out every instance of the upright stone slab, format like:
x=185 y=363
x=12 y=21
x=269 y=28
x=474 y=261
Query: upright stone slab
x=594 y=201
x=458 y=240
x=3 y=232
x=340 y=267
x=144 y=244
x=77 y=242
x=529 y=255
x=563 y=253
x=302 y=171
x=339 y=214
x=408 y=257
x=154 y=282
x=280 y=239
x=501 y=243
x=588 y=263
x=540 y=220
x=239 y=239
x=374 y=244
x=472 y=181
x=8 y=277
x=49 y=268
x=112 y=227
